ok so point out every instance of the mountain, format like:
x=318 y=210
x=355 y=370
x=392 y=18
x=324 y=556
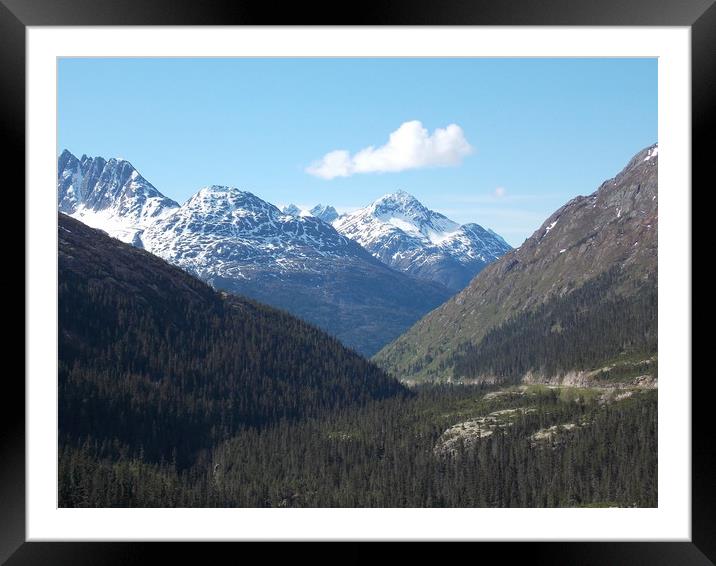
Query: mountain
x=237 y=242
x=110 y=195
x=152 y=360
x=226 y=233
x=402 y=233
x=240 y=243
x=580 y=294
x=293 y=210
x=326 y=213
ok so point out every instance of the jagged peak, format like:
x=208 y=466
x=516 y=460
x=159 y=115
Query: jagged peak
x=326 y=213
x=100 y=165
x=118 y=161
x=293 y=210
x=319 y=208
x=66 y=154
x=65 y=159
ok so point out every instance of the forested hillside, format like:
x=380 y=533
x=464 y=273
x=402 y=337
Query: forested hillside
x=580 y=292
x=581 y=330
x=152 y=360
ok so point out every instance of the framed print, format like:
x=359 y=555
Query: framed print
x=388 y=279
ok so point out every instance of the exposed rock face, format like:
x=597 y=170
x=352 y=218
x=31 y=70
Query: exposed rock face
x=555 y=435
x=467 y=433
x=614 y=226
x=591 y=378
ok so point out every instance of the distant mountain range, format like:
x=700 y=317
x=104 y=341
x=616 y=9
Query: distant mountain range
x=401 y=232
x=576 y=301
x=292 y=259
x=325 y=212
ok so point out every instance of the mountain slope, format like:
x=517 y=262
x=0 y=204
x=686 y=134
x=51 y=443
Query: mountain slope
x=155 y=358
x=240 y=243
x=110 y=195
x=607 y=240
x=402 y=233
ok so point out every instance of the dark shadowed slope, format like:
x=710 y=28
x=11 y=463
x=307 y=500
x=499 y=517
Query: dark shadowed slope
x=152 y=360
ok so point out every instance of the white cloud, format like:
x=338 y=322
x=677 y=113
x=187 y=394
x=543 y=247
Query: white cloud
x=411 y=146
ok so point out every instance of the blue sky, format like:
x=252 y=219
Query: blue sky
x=531 y=133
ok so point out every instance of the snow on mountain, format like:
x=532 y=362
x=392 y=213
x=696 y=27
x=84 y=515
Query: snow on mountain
x=227 y=232
x=293 y=210
x=326 y=213
x=402 y=233
x=110 y=195
x=240 y=243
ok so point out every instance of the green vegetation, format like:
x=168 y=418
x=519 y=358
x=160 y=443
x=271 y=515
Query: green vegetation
x=392 y=461
x=578 y=331
x=152 y=358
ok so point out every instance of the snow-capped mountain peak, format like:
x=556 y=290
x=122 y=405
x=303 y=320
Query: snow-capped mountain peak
x=224 y=232
x=405 y=212
x=110 y=195
x=326 y=213
x=404 y=234
x=401 y=201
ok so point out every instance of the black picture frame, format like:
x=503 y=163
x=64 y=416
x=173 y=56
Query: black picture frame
x=16 y=15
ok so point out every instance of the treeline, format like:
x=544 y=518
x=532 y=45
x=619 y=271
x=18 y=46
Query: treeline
x=606 y=318
x=153 y=359
x=382 y=455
